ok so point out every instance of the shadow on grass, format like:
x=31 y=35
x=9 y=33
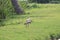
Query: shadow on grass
x=13 y=23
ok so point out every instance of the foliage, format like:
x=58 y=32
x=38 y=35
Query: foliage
x=6 y=9
x=9 y=8
x=23 y=4
x=34 y=5
x=44 y=1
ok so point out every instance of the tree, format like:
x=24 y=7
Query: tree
x=2 y=14
x=8 y=8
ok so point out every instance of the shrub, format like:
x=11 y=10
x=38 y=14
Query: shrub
x=34 y=5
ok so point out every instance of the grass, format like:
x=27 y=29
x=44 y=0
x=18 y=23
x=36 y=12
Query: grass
x=46 y=21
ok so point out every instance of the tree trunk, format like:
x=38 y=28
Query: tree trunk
x=16 y=7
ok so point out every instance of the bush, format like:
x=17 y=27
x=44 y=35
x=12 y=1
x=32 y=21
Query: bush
x=2 y=17
x=23 y=4
x=34 y=5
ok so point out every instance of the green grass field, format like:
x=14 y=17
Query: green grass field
x=46 y=21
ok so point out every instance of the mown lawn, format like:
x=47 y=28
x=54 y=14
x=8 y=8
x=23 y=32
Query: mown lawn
x=46 y=21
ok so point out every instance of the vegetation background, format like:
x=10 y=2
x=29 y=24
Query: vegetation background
x=45 y=15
